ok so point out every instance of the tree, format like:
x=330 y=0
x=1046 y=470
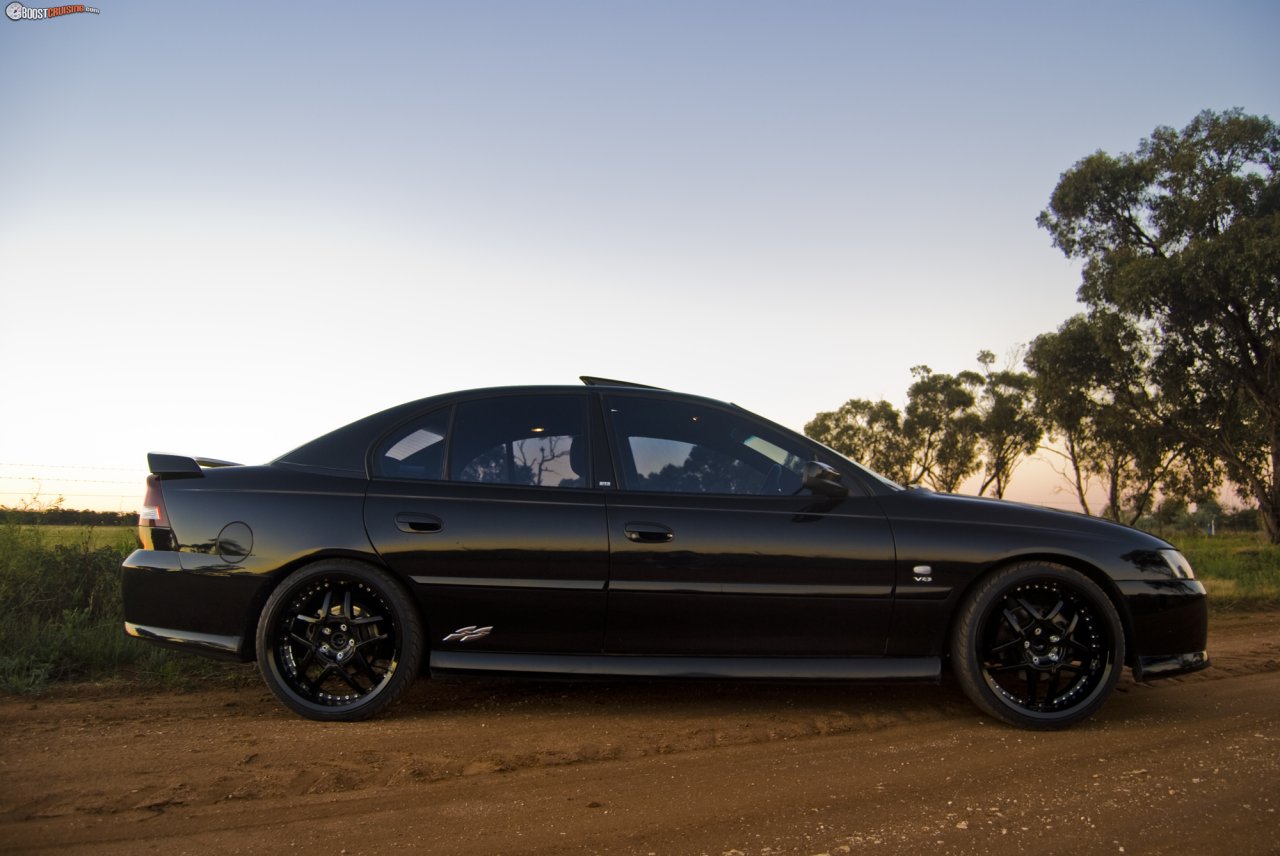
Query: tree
x=1089 y=385
x=934 y=440
x=1009 y=427
x=1182 y=241
x=942 y=427
x=868 y=432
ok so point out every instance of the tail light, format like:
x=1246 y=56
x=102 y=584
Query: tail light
x=154 y=532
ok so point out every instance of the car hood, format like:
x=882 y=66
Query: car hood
x=986 y=511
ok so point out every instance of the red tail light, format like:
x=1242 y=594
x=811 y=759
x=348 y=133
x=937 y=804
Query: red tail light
x=153 y=519
x=153 y=513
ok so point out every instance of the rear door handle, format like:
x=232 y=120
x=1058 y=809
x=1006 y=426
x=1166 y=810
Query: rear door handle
x=648 y=533
x=418 y=524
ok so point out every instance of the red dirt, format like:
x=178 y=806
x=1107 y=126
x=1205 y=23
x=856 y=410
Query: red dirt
x=1188 y=765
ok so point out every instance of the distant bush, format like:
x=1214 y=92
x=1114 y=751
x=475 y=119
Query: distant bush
x=1172 y=517
x=53 y=515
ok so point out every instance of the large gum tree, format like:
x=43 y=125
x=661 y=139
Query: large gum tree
x=1182 y=238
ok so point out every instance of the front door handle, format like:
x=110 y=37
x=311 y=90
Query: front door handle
x=648 y=533
x=418 y=524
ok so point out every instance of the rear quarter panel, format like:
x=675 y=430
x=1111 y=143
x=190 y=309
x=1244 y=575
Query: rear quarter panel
x=222 y=578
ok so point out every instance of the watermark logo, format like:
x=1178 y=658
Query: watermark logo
x=18 y=12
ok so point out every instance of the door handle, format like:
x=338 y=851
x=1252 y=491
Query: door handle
x=418 y=524
x=648 y=533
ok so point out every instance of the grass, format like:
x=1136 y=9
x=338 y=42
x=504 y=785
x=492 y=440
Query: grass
x=60 y=586
x=124 y=538
x=1241 y=571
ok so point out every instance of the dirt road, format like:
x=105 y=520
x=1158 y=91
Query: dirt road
x=1189 y=765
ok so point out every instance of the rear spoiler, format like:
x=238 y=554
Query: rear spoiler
x=180 y=465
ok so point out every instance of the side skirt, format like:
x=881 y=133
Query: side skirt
x=875 y=669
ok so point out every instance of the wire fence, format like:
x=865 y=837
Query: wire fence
x=86 y=486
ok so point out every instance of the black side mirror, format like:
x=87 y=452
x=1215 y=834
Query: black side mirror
x=823 y=480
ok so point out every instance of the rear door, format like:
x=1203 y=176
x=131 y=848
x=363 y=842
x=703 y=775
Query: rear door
x=716 y=549
x=485 y=508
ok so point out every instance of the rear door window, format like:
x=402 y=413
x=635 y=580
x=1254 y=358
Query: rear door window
x=534 y=440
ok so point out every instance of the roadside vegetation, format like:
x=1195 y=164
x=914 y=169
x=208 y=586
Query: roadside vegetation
x=1241 y=571
x=61 y=587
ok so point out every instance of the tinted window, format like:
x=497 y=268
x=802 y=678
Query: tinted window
x=679 y=447
x=524 y=440
x=415 y=451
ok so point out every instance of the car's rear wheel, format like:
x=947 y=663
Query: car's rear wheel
x=1038 y=645
x=339 y=640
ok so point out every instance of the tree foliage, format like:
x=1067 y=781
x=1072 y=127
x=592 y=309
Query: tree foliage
x=1181 y=242
x=868 y=432
x=942 y=426
x=1090 y=390
x=933 y=441
x=1009 y=426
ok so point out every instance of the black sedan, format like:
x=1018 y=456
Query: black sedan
x=617 y=529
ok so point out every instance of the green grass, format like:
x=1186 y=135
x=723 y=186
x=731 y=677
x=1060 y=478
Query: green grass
x=1240 y=571
x=96 y=537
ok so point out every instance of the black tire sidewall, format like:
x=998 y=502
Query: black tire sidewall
x=404 y=620
x=977 y=611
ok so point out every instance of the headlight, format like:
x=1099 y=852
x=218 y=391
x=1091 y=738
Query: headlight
x=1178 y=564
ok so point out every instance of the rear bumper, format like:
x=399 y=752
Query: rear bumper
x=205 y=612
x=1168 y=622
x=223 y=647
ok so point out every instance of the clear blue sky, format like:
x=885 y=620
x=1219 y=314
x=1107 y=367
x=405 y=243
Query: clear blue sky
x=228 y=228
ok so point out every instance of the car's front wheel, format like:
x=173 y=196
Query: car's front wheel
x=339 y=640
x=1038 y=645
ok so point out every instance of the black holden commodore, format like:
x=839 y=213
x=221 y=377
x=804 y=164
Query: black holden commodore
x=622 y=530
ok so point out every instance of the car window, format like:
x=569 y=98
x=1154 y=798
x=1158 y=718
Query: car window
x=682 y=447
x=538 y=440
x=416 y=451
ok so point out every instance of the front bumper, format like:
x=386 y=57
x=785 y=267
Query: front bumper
x=1168 y=622
x=1168 y=665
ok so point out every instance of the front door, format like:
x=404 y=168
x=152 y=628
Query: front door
x=716 y=550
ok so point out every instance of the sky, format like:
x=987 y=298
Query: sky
x=226 y=229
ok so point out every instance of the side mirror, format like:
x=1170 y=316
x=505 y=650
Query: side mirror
x=823 y=480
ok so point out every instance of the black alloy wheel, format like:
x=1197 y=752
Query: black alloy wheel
x=339 y=640
x=1038 y=645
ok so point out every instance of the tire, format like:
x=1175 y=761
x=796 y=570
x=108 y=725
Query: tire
x=339 y=641
x=1038 y=645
